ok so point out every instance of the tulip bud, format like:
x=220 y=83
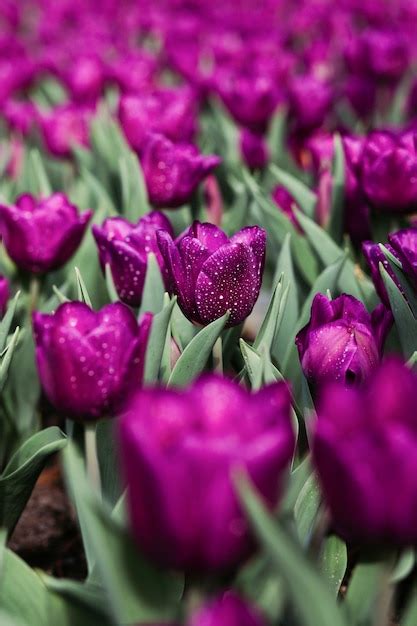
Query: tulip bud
x=180 y=449
x=64 y=127
x=389 y=171
x=365 y=451
x=310 y=101
x=254 y=149
x=342 y=341
x=41 y=235
x=173 y=171
x=170 y=112
x=85 y=79
x=125 y=247
x=212 y=274
x=380 y=55
x=90 y=361
x=374 y=257
x=285 y=202
x=227 y=609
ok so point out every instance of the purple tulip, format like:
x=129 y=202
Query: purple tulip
x=342 y=341
x=180 y=448
x=381 y=55
x=174 y=171
x=365 y=452
x=389 y=171
x=228 y=609
x=285 y=202
x=85 y=79
x=404 y=244
x=125 y=247
x=41 y=235
x=89 y=361
x=310 y=101
x=254 y=149
x=63 y=128
x=374 y=256
x=4 y=294
x=170 y=112
x=212 y=274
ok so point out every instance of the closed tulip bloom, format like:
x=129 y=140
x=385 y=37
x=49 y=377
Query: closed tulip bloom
x=365 y=452
x=404 y=245
x=254 y=149
x=4 y=294
x=174 y=171
x=41 y=235
x=227 y=609
x=286 y=203
x=381 y=55
x=212 y=273
x=180 y=449
x=85 y=79
x=342 y=341
x=89 y=361
x=170 y=112
x=125 y=248
x=65 y=127
x=310 y=101
x=389 y=171
x=374 y=257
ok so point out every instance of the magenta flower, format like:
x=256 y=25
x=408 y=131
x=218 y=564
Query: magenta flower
x=310 y=101
x=64 y=127
x=389 y=171
x=41 y=235
x=285 y=203
x=227 y=609
x=212 y=274
x=174 y=171
x=89 y=361
x=379 y=54
x=254 y=149
x=179 y=450
x=342 y=341
x=170 y=112
x=85 y=79
x=4 y=294
x=365 y=452
x=125 y=247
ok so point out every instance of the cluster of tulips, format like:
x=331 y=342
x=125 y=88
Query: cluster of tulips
x=208 y=221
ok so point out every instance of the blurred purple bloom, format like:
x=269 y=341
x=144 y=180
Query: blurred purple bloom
x=342 y=341
x=125 y=247
x=179 y=450
x=228 y=609
x=89 y=361
x=41 y=235
x=170 y=112
x=285 y=202
x=211 y=273
x=389 y=171
x=173 y=171
x=254 y=149
x=374 y=256
x=365 y=452
x=379 y=54
x=310 y=100
x=85 y=79
x=64 y=127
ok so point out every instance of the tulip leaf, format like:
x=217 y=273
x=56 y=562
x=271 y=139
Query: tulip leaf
x=274 y=316
x=6 y=322
x=7 y=358
x=136 y=591
x=336 y=221
x=406 y=287
x=83 y=294
x=333 y=562
x=42 y=186
x=303 y=196
x=156 y=343
x=404 y=319
x=285 y=266
x=21 y=473
x=410 y=613
x=309 y=595
x=23 y=596
x=296 y=482
x=195 y=356
x=154 y=288
x=111 y=289
x=58 y=295
x=183 y=331
x=364 y=591
x=106 y=438
x=404 y=565
x=277 y=135
x=278 y=225
x=307 y=508
x=135 y=201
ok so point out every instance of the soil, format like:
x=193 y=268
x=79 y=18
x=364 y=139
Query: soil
x=47 y=536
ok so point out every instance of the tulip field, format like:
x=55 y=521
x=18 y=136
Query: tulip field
x=208 y=313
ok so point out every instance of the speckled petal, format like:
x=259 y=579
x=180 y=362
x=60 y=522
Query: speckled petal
x=229 y=280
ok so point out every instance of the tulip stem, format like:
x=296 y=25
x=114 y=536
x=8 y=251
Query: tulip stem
x=93 y=470
x=218 y=356
x=385 y=597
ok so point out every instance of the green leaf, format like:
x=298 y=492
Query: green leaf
x=157 y=338
x=134 y=193
x=273 y=317
x=404 y=319
x=309 y=594
x=306 y=509
x=108 y=461
x=195 y=356
x=154 y=288
x=363 y=592
x=333 y=562
x=22 y=593
x=277 y=135
x=21 y=473
x=6 y=322
x=292 y=311
x=303 y=196
x=83 y=294
x=7 y=358
x=336 y=222
x=72 y=603
x=404 y=565
x=40 y=177
x=406 y=287
x=136 y=591
x=111 y=289
x=410 y=613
